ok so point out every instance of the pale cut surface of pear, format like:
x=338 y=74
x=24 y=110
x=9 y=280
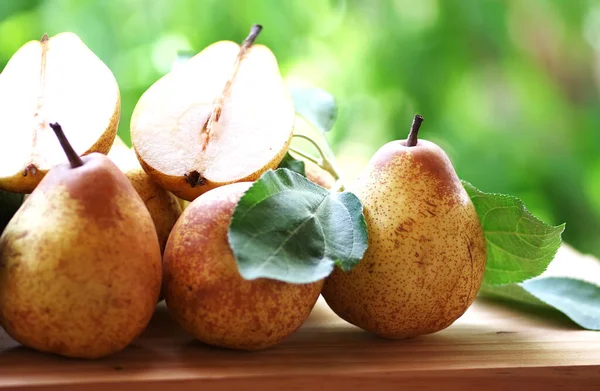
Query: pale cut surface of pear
x=55 y=79
x=80 y=264
x=205 y=292
x=427 y=252
x=184 y=150
x=163 y=206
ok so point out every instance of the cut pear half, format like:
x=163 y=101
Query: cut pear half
x=57 y=79
x=221 y=117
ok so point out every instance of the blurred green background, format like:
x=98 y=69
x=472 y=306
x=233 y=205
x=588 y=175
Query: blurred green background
x=508 y=88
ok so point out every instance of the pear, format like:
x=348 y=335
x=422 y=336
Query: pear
x=9 y=204
x=427 y=252
x=205 y=292
x=58 y=77
x=221 y=117
x=163 y=206
x=80 y=264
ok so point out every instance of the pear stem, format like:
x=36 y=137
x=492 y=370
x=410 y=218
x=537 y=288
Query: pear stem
x=73 y=157
x=249 y=41
x=411 y=141
x=305 y=156
x=324 y=163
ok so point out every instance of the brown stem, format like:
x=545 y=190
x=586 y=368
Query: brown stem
x=411 y=141
x=73 y=157
x=215 y=115
x=249 y=41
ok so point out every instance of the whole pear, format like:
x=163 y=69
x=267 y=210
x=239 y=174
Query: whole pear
x=163 y=206
x=80 y=264
x=427 y=252
x=205 y=292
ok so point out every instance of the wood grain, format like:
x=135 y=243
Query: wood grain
x=490 y=348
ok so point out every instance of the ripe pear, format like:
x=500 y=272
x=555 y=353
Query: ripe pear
x=427 y=251
x=205 y=292
x=221 y=117
x=163 y=206
x=57 y=77
x=80 y=264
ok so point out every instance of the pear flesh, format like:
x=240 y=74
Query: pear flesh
x=163 y=206
x=427 y=252
x=205 y=292
x=80 y=264
x=55 y=79
x=221 y=117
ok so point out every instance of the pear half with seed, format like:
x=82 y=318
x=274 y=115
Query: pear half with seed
x=223 y=116
x=54 y=79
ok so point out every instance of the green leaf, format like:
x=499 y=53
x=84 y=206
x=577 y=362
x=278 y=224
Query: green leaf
x=514 y=292
x=519 y=246
x=316 y=105
x=579 y=300
x=293 y=164
x=289 y=229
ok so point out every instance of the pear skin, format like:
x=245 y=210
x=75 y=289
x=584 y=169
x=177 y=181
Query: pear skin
x=163 y=206
x=205 y=292
x=427 y=251
x=80 y=263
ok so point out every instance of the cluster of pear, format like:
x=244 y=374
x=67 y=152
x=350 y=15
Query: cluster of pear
x=101 y=238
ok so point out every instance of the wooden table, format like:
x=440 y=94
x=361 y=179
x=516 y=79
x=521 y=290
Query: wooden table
x=489 y=348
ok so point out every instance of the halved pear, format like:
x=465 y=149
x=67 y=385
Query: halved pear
x=54 y=79
x=223 y=116
x=163 y=206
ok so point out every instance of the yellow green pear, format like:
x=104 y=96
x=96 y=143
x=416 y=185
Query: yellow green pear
x=163 y=206
x=57 y=77
x=80 y=263
x=427 y=251
x=205 y=292
x=221 y=117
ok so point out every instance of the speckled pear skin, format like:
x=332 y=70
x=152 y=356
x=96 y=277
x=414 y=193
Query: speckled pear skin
x=427 y=252
x=80 y=263
x=206 y=294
